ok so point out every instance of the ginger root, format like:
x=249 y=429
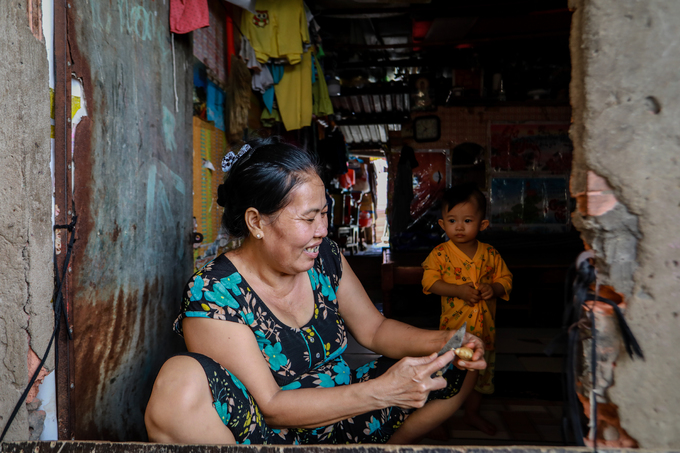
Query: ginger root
x=464 y=353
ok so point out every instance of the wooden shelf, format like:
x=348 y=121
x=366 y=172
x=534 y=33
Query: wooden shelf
x=455 y=102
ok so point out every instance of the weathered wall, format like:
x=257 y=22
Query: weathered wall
x=133 y=179
x=26 y=276
x=626 y=100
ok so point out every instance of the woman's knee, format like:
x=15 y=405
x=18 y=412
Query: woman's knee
x=180 y=409
x=180 y=387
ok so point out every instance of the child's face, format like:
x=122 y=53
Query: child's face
x=463 y=222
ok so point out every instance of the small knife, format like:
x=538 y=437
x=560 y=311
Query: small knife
x=455 y=342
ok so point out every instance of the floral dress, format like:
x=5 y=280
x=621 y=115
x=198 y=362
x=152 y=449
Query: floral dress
x=309 y=357
x=449 y=264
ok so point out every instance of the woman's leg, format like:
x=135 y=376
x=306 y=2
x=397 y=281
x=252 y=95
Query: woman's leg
x=432 y=414
x=181 y=410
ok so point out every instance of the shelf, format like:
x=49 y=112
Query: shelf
x=455 y=102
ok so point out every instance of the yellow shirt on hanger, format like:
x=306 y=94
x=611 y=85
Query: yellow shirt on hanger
x=294 y=94
x=322 y=104
x=277 y=30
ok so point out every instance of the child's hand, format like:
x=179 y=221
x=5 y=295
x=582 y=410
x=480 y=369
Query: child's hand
x=469 y=294
x=486 y=291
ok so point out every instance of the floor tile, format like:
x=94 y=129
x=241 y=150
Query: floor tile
x=524 y=341
x=527 y=408
x=520 y=427
x=543 y=364
x=550 y=433
x=545 y=418
x=508 y=362
x=556 y=411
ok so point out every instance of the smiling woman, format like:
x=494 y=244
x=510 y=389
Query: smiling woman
x=266 y=325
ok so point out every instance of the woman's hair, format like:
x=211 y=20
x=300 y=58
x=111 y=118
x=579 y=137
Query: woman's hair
x=262 y=178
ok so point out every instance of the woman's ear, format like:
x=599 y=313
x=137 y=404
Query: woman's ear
x=254 y=222
x=483 y=225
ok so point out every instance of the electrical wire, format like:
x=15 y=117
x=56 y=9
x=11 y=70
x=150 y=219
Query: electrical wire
x=59 y=309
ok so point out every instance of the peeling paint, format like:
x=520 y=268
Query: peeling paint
x=33 y=364
x=134 y=213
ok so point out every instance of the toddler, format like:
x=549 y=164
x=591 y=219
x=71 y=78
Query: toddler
x=469 y=276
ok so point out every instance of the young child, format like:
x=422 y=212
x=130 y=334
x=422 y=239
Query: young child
x=470 y=276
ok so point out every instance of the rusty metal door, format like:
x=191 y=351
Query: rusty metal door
x=131 y=169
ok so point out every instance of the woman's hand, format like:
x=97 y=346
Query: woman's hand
x=477 y=362
x=408 y=383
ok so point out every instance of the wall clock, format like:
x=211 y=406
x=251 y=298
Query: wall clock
x=426 y=128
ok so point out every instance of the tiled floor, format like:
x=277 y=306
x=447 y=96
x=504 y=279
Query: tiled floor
x=519 y=422
x=527 y=407
x=527 y=404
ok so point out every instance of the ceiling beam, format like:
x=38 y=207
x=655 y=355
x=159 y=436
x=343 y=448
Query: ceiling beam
x=458 y=42
x=450 y=9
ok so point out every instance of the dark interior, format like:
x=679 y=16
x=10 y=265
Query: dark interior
x=518 y=51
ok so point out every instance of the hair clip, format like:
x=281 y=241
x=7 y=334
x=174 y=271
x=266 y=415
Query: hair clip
x=230 y=158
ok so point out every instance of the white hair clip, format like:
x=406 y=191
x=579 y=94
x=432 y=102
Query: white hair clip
x=230 y=159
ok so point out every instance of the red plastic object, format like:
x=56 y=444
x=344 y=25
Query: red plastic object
x=348 y=179
x=365 y=219
x=230 y=36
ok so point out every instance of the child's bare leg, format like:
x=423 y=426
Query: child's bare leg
x=473 y=416
x=430 y=416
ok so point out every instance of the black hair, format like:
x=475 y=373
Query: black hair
x=464 y=193
x=262 y=178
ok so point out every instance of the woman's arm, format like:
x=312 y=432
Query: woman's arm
x=389 y=337
x=234 y=346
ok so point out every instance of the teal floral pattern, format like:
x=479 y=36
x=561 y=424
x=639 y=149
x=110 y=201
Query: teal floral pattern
x=309 y=357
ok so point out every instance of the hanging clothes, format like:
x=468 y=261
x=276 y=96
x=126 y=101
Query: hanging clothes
x=247 y=53
x=294 y=94
x=322 y=105
x=262 y=80
x=277 y=30
x=215 y=105
x=268 y=119
x=276 y=71
x=188 y=15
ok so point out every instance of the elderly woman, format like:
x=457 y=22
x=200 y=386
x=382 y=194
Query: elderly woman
x=266 y=325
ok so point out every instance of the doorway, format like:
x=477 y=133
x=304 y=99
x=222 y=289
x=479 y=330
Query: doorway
x=485 y=84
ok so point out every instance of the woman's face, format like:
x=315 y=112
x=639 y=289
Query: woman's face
x=293 y=235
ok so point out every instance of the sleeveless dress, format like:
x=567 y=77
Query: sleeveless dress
x=309 y=357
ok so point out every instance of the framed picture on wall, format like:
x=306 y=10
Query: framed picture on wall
x=530 y=203
x=531 y=146
x=422 y=93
